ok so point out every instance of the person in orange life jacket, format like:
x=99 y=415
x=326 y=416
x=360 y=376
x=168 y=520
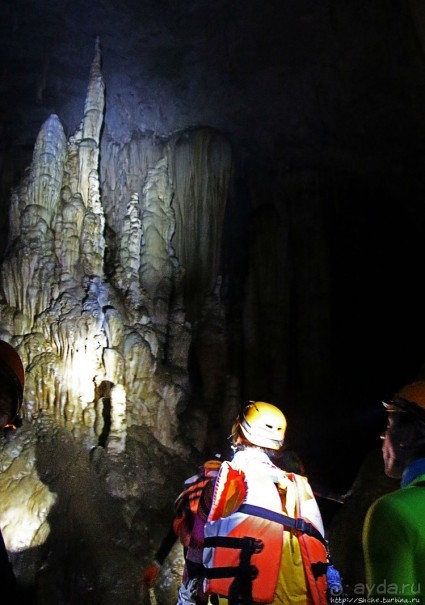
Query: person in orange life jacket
x=191 y=589
x=12 y=380
x=394 y=527
x=187 y=526
x=264 y=534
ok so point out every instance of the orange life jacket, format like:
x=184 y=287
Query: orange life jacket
x=244 y=538
x=186 y=503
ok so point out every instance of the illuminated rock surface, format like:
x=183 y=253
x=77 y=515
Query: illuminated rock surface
x=94 y=299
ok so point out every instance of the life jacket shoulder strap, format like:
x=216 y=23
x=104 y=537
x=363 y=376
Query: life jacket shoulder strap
x=252 y=545
x=299 y=525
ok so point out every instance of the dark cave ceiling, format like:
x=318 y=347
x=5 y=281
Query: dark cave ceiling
x=319 y=82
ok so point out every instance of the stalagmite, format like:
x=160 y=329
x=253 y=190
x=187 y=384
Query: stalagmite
x=29 y=269
x=47 y=167
x=92 y=244
x=129 y=250
x=67 y=234
x=89 y=133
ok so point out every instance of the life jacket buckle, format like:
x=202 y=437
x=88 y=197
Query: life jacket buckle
x=258 y=546
x=303 y=526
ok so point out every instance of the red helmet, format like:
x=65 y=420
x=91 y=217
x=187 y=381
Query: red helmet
x=12 y=370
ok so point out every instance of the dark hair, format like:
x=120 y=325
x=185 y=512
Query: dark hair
x=291 y=462
x=240 y=442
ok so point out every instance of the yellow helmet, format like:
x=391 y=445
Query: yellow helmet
x=263 y=424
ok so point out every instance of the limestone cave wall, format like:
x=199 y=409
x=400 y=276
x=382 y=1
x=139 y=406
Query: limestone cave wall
x=109 y=277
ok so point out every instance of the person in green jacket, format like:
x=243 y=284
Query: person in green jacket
x=394 y=528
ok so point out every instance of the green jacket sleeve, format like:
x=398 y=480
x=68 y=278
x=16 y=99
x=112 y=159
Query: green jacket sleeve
x=388 y=537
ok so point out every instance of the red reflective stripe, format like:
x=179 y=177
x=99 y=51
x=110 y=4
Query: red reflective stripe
x=191 y=495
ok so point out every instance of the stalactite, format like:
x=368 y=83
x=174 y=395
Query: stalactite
x=123 y=173
x=157 y=262
x=202 y=168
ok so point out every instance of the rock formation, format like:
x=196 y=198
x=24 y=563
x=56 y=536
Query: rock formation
x=98 y=285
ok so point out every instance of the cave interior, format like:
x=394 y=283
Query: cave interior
x=203 y=203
